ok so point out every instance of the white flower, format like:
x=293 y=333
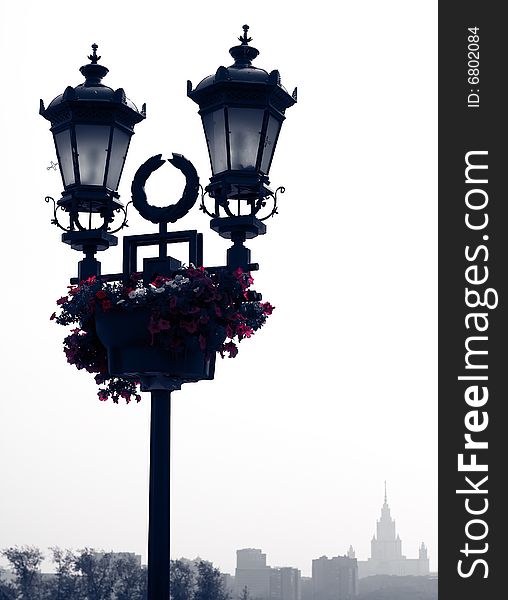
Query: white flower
x=158 y=290
x=120 y=301
x=137 y=293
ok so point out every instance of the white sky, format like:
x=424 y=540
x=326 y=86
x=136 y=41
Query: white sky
x=288 y=448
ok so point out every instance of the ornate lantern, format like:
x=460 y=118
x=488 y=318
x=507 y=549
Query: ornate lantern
x=92 y=125
x=242 y=108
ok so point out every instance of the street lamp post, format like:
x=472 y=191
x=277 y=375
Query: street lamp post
x=242 y=109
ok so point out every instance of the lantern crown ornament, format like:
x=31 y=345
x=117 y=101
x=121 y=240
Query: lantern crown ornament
x=92 y=125
x=242 y=109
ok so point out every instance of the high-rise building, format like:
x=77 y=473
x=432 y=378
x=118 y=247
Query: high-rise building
x=285 y=583
x=334 y=578
x=306 y=588
x=386 y=551
x=264 y=582
x=251 y=572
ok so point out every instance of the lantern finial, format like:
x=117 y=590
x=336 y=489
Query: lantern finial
x=243 y=38
x=93 y=57
x=93 y=72
x=243 y=54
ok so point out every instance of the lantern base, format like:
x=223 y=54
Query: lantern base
x=245 y=185
x=90 y=199
x=227 y=227
x=90 y=240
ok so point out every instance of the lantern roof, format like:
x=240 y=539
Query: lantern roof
x=237 y=77
x=92 y=90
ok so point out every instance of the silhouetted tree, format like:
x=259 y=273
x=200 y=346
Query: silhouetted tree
x=97 y=570
x=210 y=583
x=7 y=591
x=67 y=583
x=130 y=578
x=245 y=593
x=25 y=561
x=181 y=580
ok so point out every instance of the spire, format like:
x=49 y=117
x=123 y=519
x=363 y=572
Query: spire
x=386 y=501
x=422 y=553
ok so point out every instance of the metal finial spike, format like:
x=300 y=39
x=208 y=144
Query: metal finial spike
x=385 y=493
x=93 y=57
x=243 y=38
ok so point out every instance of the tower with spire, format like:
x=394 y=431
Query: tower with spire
x=386 y=551
x=386 y=545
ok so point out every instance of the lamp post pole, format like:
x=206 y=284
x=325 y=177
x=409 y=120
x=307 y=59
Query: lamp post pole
x=159 y=501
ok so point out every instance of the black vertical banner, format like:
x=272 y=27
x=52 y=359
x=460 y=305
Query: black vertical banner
x=473 y=300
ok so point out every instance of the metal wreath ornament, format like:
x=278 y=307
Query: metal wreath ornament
x=172 y=212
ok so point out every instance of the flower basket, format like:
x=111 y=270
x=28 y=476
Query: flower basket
x=131 y=352
x=162 y=334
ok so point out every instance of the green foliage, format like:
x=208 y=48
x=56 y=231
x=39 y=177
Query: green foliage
x=91 y=575
x=182 y=580
x=209 y=584
x=245 y=593
x=25 y=562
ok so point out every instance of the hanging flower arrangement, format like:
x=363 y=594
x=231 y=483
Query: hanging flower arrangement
x=215 y=308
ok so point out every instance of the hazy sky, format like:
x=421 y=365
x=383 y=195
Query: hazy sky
x=288 y=448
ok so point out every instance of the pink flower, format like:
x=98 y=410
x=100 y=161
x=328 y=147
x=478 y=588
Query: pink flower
x=267 y=308
x=101 y=294
x=62 y=300
x=53 y=316
x=230 y=348
x=243 y=330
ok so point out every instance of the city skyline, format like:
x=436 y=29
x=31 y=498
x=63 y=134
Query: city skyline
x=386 y=533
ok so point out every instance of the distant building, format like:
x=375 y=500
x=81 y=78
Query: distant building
x=386 y=552
x=264 y=582
x=334 y=578
x=285 y=584
x=229 y=583
x=306 y=588
x=252 y=572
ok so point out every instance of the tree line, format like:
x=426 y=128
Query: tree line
x=90 y=575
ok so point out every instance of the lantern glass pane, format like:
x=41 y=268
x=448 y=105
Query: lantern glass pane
x=215 y=132
x=64 y=151
x=244 y=132
x=92 y=143
x=117 y=157
x=272 y=133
